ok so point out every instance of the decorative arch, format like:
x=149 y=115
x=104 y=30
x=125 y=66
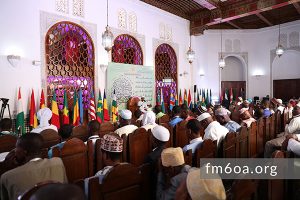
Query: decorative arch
x=274 y=61
x=243 y=57
x=70 y=62
x=127 y=50
x=165 y=70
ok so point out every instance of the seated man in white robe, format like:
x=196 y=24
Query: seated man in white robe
x=280 y=106
x=125 y=123
x=212 y=129
x=246 y=117
x=292 y=130
x=44 y=115
x=148 y=121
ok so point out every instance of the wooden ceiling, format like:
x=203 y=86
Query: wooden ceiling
x=231 y=14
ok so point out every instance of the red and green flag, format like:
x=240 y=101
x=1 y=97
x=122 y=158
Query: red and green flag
x=20 y=125
x=32 y=112
x=189 y=99
x=42 y=100
x=176 y=99
x=180 y=98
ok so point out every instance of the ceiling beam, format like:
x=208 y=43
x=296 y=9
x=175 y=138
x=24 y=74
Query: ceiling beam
x=234 y=11
x=162 y=6
x=209 y=4
x=233 y=24
x=296 y=5
x=260 y=16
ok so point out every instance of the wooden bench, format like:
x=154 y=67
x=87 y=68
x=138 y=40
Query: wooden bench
x=7 y=143
x=181 y=137
x=75 y=158
x=208 y=149
x=231 y=145
x=106 y=127
x=80 y=132
x=50 y=138
x=123 y=181
x=139 y=146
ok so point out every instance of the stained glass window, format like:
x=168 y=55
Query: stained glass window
x=69 y=62
x=165 y=71
x=127 y=50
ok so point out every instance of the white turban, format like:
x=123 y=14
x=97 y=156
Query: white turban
x=44 y=115
x=125 y=114
x=161 y=133
x=279 y=101
x=221 y=112
x=203 y=116
x=148 y=118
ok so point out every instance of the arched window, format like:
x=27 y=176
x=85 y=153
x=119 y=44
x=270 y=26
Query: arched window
x=165 y=71
x=70 y=62
x=127 y=50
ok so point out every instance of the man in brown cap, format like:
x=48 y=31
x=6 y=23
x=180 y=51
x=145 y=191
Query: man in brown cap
x=172 y=173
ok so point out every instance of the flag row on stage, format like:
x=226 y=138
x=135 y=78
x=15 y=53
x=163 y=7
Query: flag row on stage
x=201 y=96
x=98 y=112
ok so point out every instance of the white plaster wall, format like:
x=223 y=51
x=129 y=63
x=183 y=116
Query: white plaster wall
x=287 y=66
x=20 y=34
x=257 y=43
x=234 y=70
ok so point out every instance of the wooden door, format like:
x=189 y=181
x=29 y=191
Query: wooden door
x=286 y=89
x=238 y=87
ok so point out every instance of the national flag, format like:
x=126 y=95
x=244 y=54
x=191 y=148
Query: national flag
x=203 y=95
x=42 y=100
x=198 y=98
x=76 y=117
x=66 y=119
x=55 y=113
x=185 y=100
x=99 y=109
x=221 y=97
x=32 y=113
x=176 y=99
x=226 y=94
x=158 y=97
x=189 y=99
x=20 y=125
x=105 y=108
x=180 y=98
x=80 y=103
x=231 y=95
x=92 y=108
x=172 y=100
x=114 y=108
x=210 y=97
x=162 y=102
x=207 y=97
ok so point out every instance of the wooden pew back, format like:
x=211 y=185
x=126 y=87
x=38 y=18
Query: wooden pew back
x=75 y=158
x=123 y=180
x=231 y=145
x=243 y=143
x=80 y=132
x=50 y=138
x=181 y=136
x=208 y=149
x=7 y=143
x=139 y=146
